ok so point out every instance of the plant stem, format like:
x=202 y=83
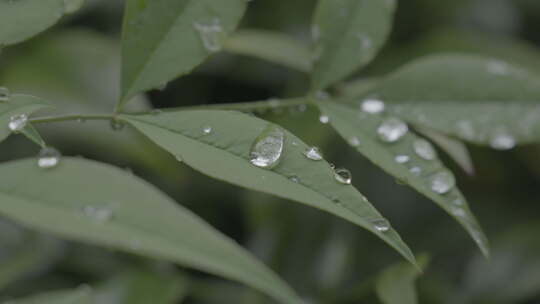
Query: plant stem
x=72 y=117
x=248 y=106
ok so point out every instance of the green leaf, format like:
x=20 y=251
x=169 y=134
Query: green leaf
x=224 y=154
x=480 y=100
x=395 y=285
x=163 y=39
x=120 y=211
x=31 y=133
x=455 y=148
x=81 y=295
x=348 y=34
x=19 y=104
x=139 y=286
x=272 y=46
x=360 y=129
x=22 y=19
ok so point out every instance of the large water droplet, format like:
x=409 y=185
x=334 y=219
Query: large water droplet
x=313 y=153
x=401 y=159
x=324 y=119
x=207 y=130
x=372 y=106
x=381 y=225
x=442 y=182
x=48 y=158
x=343 y=176
x=424 y=149
x=392 y=129
x=211 y=34
x=17 y=122
x=502 y=140
x=98 y=213
x=267 y=148
x=4 y=94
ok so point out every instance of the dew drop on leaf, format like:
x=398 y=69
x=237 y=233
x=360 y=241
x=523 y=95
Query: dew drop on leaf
x=354 y=141
x=392 y=129
x=4 y=94
x=17 y=122
x=207 y=130
x=313 y=153
x=442 y=182
x=457 y=211
x=424 y=149
x=343 y=176
x=98 y=213
x=402 y=158
x=267 y=149
x=324 y=119
x=381 y=225
x=372 y=106
x=48 y=158
x=211 y=34
x=416 y=171
x=502 y=140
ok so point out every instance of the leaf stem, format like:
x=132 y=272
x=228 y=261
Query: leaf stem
x=60 y=118
x=248 y=106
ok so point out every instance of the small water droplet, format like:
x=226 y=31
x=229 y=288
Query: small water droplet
x=117 y=125
x=424 y=149
x=267 y=148
x=4 y=94
x=458 y=202
x=457 y=211
x=294 y=179
x=211 y=34
x=354 y=141
x=392 y=129
x=416 y=171
x=207 y=130
x=401 y=159
x=179 y=158
x=381 y=225
x=48 y=158
x=324 y=119
x=343 y=176
x=502 y=140
x=442 y=182
x=17 y=122
x=365 y=42
x=313 y=153
x=372 y=106
x=98 y=213
x=294 y=143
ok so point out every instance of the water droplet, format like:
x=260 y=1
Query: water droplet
x=458 y=202
x=354 y=141
x=4 y=94
x=179 y=158
x=294 y=143
x=98 y=213
x=416 y=171
x=392 y=129
x=48 y=158
x=372 y=106
x=424 y=149
x=17 y=122
x=117 y=125
x=365 y=41
x=401 y=159
x=207 y=130
x=442 y=182
x=343 y=176
x=267 y=148
x=465 y=129
x=211 y=34
x=381 y=225
x=502 y=140
x=497 y=67
x=457 y=211
x=294 y=179
x=313 y=153
x=324 y=119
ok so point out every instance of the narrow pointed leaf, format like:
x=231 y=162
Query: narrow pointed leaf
x=363 y=127
x=271 y=46
x=81 y=295
x=350 y=33
x=395 y=285
x=163 y=39
x=480 y=100
x=31 y=133
x=22 y=19
x=96 y=203
x=455 y=148
x=224 y=154
x=19 y=104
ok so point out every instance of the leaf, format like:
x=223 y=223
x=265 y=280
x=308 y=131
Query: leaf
x=19 y=104
x=163 y=39
x=351 y=33
x=31 y=133
x=272 y=46
x=480 y=100
x=80 y=295
x=224 y=154
x=139 y=286
x=120 y=211
x=395 y=285
x=456 y=149
x=360 y=129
